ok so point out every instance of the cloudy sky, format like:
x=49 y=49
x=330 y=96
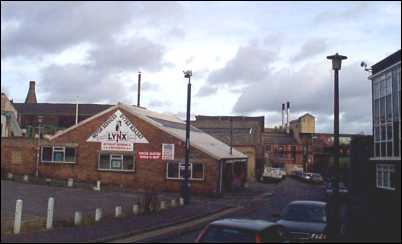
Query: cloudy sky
x=247 y=58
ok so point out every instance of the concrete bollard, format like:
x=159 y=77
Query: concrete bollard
x=181 y=201
x=70 y=182
x=77 y=218
x=118 y=212
x=136 y=209
x=98 y=186
x=10 y=176
x=50 y=211
x=98 y=214
x=173 y=203
x=26 y=178
x=17 y=218
x=163 y=205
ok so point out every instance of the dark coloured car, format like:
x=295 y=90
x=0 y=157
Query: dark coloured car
x=305 y=220
x=243 y=231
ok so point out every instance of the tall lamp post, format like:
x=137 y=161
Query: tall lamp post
x=185 y=191
x=336 y=66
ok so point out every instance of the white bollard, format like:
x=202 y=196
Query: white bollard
x=26 y=178
x=173 y=202
x=98 y=214
x=77 y=218
x=70 y=182
x=18 y=215
x=181 y=201
x=136 y=209
x=98 y=185
x=163 y=205
x=118 y=212
x=50 y=211
x=10 y=175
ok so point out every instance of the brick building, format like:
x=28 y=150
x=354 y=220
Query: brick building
x=137 y=148
x=242 y=132
x=54 y=116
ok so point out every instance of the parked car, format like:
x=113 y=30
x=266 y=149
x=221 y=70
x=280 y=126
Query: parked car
x=317 y=178
x=307 y=177
x=271 y=175
x=243 y=231
x=305 y=220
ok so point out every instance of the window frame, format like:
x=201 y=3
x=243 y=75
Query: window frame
x=181 y=165
x=383 y=176
x=59 y=149
x=117 y=155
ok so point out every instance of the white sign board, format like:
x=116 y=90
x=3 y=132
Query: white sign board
x=117 y=134
x=111 y=146
x=167 y=151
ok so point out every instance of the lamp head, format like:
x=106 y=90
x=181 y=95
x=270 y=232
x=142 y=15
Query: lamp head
x=187 y=74
x=336 y=61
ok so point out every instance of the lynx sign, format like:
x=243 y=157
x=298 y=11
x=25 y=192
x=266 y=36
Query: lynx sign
x=117 y=134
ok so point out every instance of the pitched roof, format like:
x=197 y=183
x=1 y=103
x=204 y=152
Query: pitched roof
x=59 y=108
x=175 y=127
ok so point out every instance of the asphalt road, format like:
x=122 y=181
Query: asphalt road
x=283 y=193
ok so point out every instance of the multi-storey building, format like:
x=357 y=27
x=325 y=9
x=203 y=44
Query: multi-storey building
x=385 y=163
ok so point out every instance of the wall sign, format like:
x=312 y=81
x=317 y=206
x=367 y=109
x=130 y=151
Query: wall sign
x=149 y=155
x=167 y=151
x=117 y=134
x=111 y=146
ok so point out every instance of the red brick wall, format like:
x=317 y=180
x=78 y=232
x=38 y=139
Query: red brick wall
x=148 y=175
x=18 y=155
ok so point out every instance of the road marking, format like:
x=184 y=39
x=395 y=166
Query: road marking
x=167 y=230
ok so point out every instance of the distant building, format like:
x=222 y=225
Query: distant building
x=9 y=124
x=282 y=149
x=304 y=124
x=385 y=164
x=242 y=132
x=55 y=116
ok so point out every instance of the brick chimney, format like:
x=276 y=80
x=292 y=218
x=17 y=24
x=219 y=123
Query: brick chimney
x=31 y=96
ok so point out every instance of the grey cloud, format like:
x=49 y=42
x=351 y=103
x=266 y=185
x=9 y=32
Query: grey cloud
x=311 y=89
x=50 y=27
x=351 y=13
x=65 y=83
x=310 y=49
x=250 y=64
x=139 y=53
x=207 y=90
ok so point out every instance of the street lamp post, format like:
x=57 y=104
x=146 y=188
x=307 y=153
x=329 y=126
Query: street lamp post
x=40 y=119
x=185 y=187
x=336 y=66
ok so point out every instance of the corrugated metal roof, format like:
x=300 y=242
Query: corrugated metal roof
x=176 y=127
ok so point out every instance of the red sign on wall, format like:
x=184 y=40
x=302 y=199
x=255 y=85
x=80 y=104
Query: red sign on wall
x=149 y=155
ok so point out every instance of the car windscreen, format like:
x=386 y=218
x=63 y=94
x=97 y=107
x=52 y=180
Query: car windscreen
x=305 y=213
x=227 y=234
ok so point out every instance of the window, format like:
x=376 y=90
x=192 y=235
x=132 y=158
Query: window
x=46 y=154
x=175 y=171
x=58 y=154
x=116 y=162
x=268 y=148
x=385 y=174
x=70 y=154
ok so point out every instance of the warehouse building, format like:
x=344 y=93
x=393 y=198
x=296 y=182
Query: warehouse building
x=137 y=148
